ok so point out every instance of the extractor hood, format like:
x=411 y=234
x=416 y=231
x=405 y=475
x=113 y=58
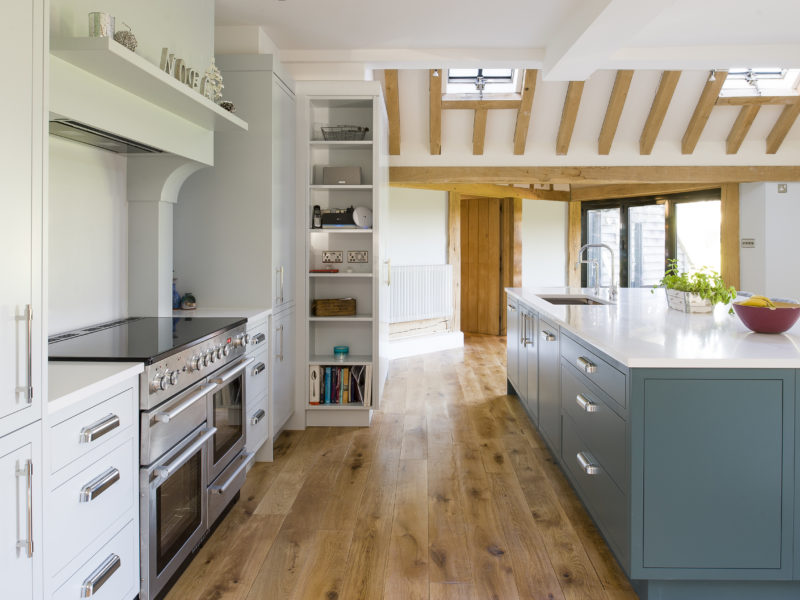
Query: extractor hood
x=86 y=134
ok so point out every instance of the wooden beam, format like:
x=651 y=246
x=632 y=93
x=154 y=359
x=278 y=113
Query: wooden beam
x=729 y=234
x=702 y=111
x=573 y=243
x=615 y=191
x=782 y=126
x=392 y=92
x=741 y=126
x=454 y=254
x=622 y=83
x=666 y=88
x=435 y=93
x=524 y=112
x=592 y=174
x=755 y=100
x=479 y=131
x=572 y=102
x=489 y=190
x=474 y=104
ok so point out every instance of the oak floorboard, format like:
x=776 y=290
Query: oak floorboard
x=322 y=574
x=453 y=591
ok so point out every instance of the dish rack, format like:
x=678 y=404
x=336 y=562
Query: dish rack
x=341 y=133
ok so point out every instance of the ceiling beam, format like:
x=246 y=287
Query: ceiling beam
x=702 y=111
x=741 y=126
x=489 y=190
x=592 y=174
x=755 y=100
x=392 y=92
x=782 y=126
x=524 y=111
x=589 y=193
x=549 y=193
x=435 y=111
x=475 y=104
x=479 y=130
x=572 y=102
x=616 y=102
x=666 y=88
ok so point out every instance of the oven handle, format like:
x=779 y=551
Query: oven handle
x=233 y=372
x=221 y=489
x=167 y=416
x=164 y=471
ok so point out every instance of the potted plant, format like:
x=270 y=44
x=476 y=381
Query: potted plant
x=696 y=292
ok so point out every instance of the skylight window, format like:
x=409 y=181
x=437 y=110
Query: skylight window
x=482 y=81
x=771 y=81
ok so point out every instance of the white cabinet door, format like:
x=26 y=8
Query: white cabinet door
x=20 y=480
x=283 y=191
x=282 y=369
x=21 y=33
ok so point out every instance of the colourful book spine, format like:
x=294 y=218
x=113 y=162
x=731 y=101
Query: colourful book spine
x=327 y=385
x=345 y=385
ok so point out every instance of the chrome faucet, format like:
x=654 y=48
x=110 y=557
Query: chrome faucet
x=613 y=288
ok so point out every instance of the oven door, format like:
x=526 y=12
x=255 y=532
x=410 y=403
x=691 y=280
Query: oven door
x=174 y=513
x=226 y=413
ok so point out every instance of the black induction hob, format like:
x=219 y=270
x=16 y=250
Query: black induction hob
x=138 y=339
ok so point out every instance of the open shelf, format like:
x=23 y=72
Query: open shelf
x=111 y=61
x=353 y=144
x=330 y=360
x=339 y=187
x=340 y=230
x=352 y=319
x=339 y=275
x=349 y=406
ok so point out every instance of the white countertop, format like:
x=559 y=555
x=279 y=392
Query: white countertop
x=641 y=331
x=69 y=382
x=253 y=315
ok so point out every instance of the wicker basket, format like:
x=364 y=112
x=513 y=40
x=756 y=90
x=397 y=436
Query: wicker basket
x=341 y=133
x=334 y=307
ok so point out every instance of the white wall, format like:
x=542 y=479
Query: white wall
x=417 y=227
x=88 y=236
x=544 y=243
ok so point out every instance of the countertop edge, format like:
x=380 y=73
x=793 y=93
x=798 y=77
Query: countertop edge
x=83 y=380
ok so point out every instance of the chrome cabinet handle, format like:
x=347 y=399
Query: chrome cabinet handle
x=99 y=484
x=586 y=365
x=277 y=285
x=26 y=471
x=529 y=337
x=99 y=428
x=511 y=307
x=176 y=463
x=548 y=337
x=221 y=489
x=279 y=355
x=259 y=368
x=100 y=575
x=257 y=339
x=167 y=416
x=587 y=464
x=282 y=298
x=30 y=354
x=586 y=404
x=256 y=418
x=233 y=372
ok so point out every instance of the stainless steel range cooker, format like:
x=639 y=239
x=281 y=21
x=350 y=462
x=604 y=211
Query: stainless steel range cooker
x=192 y=429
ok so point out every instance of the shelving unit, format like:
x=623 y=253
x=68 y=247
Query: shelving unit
x=365 y=282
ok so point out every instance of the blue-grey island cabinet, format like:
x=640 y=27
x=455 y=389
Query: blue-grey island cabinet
x=681 y=435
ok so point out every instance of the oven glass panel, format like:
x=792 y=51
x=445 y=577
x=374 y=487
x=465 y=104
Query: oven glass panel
x=178 y=509
x=227 y=416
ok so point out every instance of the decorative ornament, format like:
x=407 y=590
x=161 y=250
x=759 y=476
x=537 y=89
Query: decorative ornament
x=126 y=38
x=213 y=80
x=228 y=105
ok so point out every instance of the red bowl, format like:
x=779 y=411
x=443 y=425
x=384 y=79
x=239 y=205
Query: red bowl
x=765 y=320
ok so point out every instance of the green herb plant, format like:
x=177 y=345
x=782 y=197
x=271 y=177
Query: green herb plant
x=706 y=283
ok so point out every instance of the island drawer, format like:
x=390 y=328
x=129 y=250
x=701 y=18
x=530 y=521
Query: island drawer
x=595 y=369
x=604 y=500
x=599 y=426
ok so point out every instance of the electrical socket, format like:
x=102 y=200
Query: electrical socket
x=331 y=256
x=782 y=188
x=357 y=256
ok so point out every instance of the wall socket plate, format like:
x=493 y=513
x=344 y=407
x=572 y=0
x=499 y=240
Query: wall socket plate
x=357 y=256
x=782 y=188
x=748 y=243
x=331 y=256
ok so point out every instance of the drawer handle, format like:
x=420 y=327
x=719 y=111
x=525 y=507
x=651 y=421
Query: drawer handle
x=26 y=471
x=586 y=404
x=221 y=489
x=259 y=368
x=98 y=429
x=587 y=464
x=548 y=337
x=586 y=365
x=257 y=339
x=99 y=484
x=256 y=418
x=100 y=575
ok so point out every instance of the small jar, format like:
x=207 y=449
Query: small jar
x=340 y=352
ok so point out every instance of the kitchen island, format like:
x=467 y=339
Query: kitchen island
x=678 y=431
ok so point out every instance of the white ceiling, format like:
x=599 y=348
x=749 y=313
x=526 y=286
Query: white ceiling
x=569 y=39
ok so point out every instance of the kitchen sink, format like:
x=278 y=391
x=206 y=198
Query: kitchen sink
x=574 y=300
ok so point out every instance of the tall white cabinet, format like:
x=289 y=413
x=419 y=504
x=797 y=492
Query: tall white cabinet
x=234 y=243
x=23 y=40
x=325 y=104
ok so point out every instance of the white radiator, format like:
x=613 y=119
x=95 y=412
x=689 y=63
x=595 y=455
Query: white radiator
x=421 y=292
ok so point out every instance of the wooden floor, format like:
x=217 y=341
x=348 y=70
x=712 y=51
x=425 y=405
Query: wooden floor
x=451 y=494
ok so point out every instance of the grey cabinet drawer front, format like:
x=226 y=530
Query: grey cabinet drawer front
x=595 y=369
x=602 y=429
x=605 y=501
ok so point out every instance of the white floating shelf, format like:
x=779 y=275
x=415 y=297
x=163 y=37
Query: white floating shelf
x=339 y=275
x=330 y=361
x=353 y=144
x=340 y=230
x=111 y=61
x=353 y=319
x=349 y=406
x=340 y=187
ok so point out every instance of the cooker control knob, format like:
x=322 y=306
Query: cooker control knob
x=205 y=360
x=219 y=353
x=211 y=355
x=159 y=383
x=226 y=350
x=240 y=340
x=173 y=378
x=196 y=363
